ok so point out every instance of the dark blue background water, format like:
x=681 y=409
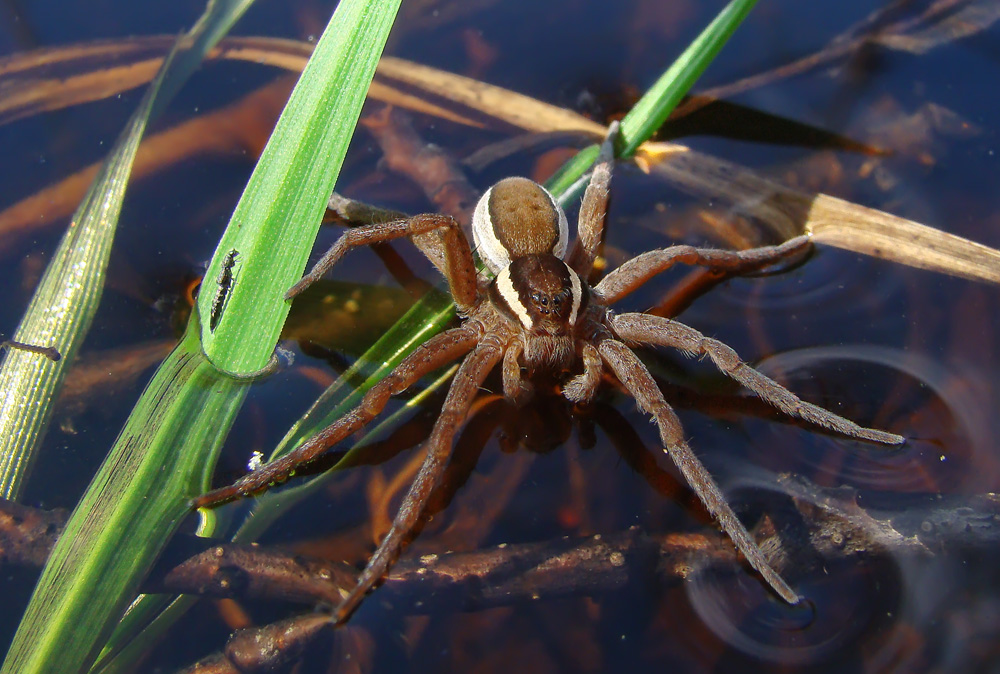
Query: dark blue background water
x=883 y=344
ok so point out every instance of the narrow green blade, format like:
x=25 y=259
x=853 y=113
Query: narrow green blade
x=658 y=102
x=64 y=304
x=167 y=449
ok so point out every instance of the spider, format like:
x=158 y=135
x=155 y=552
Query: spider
x=539 y=316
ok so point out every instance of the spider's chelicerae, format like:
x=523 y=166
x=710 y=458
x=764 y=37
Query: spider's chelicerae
x=539 y=315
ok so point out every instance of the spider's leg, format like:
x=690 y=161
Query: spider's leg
x=456 y=405
x=582 y=387
x=665 y=332
x=353 y=213
x=635 y=272
x=636 y=378
x=461 y=271
x=593 y=208
x=429 y=356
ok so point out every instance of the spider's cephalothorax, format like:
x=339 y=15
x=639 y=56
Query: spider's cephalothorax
x=538 y=315
x=543 y=299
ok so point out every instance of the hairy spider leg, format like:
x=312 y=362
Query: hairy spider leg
x=640 y=384
x=657 y=331
x=594 y=208
x=474 y=369
x=426 y=358
x=635 y=272
x=461 y=270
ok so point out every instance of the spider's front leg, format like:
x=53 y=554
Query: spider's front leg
x=460 y=396
x=658 y=331
x=428 y=357
x=460 y=269
x=594 y=206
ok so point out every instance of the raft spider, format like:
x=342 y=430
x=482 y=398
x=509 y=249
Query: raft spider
x=538 y=314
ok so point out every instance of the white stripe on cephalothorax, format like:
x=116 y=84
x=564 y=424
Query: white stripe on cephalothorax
x=577 y=293
x=505 y=286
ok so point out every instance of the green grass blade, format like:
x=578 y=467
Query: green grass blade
x=658 y=102
x=652 y=110
x=64 y=304
x=60 y=313
x=275 y=224
x=95 y=568
x=168 y=446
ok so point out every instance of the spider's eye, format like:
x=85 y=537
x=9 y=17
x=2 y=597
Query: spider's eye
x=518 y=217
x=540 y=292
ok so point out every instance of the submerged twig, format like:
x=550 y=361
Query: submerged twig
x=835 y=527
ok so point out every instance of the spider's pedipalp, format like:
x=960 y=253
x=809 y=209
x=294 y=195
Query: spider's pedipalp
x=583 y=387
x=429 y=356
x=640 y=384
x=635 y=272
x=515 y=389
x=658 y=331
x=463 y=391
x=460 y=270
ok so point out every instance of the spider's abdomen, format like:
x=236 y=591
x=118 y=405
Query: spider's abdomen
x=541 y=294
x=518 y=217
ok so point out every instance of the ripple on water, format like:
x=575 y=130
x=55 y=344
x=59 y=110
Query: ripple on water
x=850 y=606
x=947 y=426
x=827 y=287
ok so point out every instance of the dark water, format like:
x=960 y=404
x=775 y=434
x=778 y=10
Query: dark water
x=911 y=351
